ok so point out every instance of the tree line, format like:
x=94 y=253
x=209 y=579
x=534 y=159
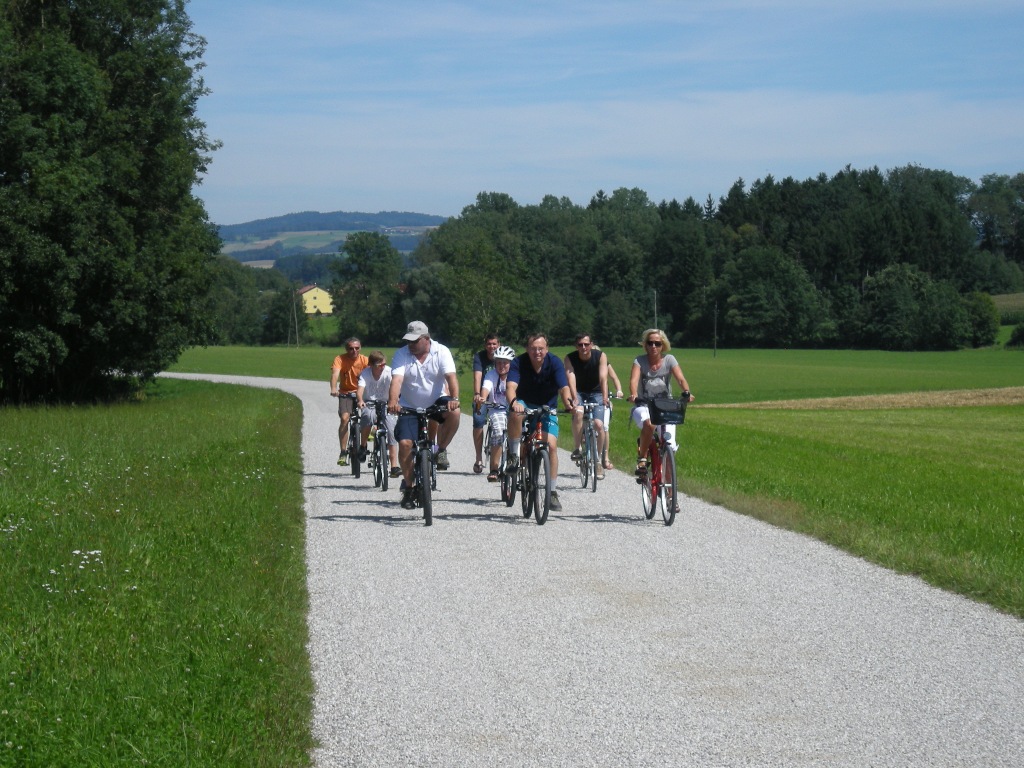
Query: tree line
x=902 y=260
x=109 y=266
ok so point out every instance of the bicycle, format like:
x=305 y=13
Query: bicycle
x=589 y=459
x=354 y=445
x=535 y=466
x=658 y=487
x=424 y=466
x=379 y=459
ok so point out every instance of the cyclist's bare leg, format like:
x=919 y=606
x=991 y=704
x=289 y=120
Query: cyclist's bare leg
x=553 y=453
x=646 y=433
x=447 y=429
x=343 y=431
x=478 y=443
x=515 y=430
x=577 y=428
x=405 y=461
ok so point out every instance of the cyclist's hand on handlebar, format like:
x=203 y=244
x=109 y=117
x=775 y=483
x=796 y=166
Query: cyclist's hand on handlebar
x=516 y=407
x=394 y=407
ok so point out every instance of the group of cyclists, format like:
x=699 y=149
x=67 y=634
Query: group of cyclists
x=505 y=385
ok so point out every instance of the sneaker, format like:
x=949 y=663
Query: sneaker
x=396 y=472
x=576 y=456
x=513 y=463
x=363 y=453
x=408 y=499
x=556 y=505
x=600 y=474
x=442 y=459
x=343 y=460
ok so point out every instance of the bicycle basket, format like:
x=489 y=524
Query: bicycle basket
x=665 y=410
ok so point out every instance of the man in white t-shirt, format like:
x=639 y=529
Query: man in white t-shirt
x=422 y=373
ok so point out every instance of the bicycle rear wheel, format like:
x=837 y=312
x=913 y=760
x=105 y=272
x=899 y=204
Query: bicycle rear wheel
x=590 y=452
x=541 y=486
x=667 y=499
x=423 y=460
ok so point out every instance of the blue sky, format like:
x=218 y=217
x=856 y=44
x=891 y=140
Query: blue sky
x=354 y=105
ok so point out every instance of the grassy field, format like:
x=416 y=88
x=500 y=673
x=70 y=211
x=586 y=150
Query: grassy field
x=152 y=600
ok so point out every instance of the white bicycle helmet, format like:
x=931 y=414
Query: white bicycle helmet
x=504 y=353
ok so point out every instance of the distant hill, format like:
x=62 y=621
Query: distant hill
x=312 y=232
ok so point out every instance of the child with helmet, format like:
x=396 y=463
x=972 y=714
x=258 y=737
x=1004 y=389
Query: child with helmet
x=492 y=390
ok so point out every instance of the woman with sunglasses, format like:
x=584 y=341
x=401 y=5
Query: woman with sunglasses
x=651 y=377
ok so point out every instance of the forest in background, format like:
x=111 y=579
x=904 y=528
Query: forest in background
x=902 y=260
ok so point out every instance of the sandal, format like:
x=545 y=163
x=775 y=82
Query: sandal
x=492 y=477
x=641 y=468
x=608 y=465
x=478 y=467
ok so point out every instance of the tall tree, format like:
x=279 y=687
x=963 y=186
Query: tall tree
x=103 y=247
x=367 y=292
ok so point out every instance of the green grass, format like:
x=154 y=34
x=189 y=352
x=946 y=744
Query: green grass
x=153 y=582
x=929 y=491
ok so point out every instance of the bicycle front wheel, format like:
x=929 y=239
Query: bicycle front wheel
x=383 y=463
x=667 y=499
x=423 y=481
x=590 y=452
x=541 y=482
x=525 y=494
x=353 y=445
x=584 y=460
x=649 y=487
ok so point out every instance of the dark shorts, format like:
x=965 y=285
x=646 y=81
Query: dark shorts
x=407 y=427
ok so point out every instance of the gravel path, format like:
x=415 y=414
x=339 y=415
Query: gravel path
x=604 y=639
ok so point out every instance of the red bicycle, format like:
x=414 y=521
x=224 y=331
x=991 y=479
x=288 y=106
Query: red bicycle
x=658 y=486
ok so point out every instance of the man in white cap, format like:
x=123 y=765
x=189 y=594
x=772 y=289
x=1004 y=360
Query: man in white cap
x=421 y=372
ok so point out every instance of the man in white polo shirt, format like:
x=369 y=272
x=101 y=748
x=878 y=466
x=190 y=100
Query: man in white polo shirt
x=422 y=373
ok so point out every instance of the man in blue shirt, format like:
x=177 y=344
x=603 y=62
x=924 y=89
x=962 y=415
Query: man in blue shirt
x=537 y=378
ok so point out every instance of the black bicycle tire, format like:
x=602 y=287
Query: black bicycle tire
x=383 y=461
x=650 y=502
x=353 y=444
x=584 y=460
x=423 y=482
x=591 y=449
x=526 y=497
x=668 y=498
x=541 y=494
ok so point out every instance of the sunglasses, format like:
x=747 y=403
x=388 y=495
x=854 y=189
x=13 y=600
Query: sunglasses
x=353 y=349
x=653 y=343
x=584 y=343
